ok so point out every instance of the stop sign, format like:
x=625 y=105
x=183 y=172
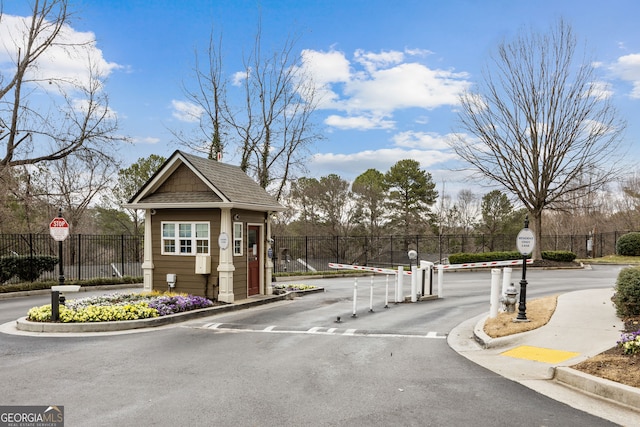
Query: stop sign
x=59 y=229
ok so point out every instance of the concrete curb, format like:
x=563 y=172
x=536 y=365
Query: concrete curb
x=24 y=325
x=487 y=342
x=601 y=387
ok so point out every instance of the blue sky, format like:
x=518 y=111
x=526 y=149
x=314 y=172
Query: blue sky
x=373 y=54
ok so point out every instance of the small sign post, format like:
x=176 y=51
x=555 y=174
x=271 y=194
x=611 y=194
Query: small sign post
x=59 y=230
x=525 y=242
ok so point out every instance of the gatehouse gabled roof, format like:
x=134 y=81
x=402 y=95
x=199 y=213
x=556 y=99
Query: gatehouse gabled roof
x=189 y=181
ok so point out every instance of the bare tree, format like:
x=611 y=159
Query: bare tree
x=542 y=121
x=209 y=95
x=44 y=115
x=271 y=127
x=75 y=182
x=469 y=210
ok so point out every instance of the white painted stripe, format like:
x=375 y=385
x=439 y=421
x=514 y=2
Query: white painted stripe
x=269 y=328
x=314 y=330
x=213 y=325
x=331 y=330
x=350 y=332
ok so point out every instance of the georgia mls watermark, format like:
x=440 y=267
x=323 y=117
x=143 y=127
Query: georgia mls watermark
x=31 y=416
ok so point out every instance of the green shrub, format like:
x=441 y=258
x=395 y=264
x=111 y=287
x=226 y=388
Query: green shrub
x=629 y=244
x=560 y=256
x=465 y=258
x=27 y=268
x=627 y=296
x=7 y=268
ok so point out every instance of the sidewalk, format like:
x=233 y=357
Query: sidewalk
x=583 y=325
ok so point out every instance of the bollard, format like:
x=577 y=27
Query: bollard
x=399 y=284
x=386 y=293
x=55 y=306
x=371 y=296
x=440 y=280
x=355 y=296
x=495 y=292
x=414 y=283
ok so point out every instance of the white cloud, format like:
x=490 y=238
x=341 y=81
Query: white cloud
x=186 y=111
x=358 y=122
x=67 y=62
x=239 y=77
x=628 y=68
x=422 y=140
x=373 y=61
x=378 y=84
x=145 y=140
x=349 y=166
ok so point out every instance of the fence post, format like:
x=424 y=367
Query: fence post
x=122 y=255
x=306 y=253
x=79 y=257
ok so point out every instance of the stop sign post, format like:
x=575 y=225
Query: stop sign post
x=59 y=230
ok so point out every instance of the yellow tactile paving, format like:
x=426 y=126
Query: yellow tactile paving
x=540 y=354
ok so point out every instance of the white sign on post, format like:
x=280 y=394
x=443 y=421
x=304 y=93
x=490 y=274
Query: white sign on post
x=526 y=241
x=59 y=229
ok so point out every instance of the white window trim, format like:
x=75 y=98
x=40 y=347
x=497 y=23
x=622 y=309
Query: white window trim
x=239 y=238
x=193 y=238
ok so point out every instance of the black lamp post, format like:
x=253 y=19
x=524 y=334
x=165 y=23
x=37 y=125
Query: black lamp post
x=522 y=307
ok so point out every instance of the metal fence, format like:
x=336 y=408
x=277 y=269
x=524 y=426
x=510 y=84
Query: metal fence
x=307 y=253
x=84 y=256
x=100 y=256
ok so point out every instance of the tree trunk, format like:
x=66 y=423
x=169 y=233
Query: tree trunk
x=536 y=226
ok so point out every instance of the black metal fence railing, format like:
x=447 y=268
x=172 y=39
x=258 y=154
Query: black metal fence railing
x=99 y=256
x=84 y=256
x=308 y=253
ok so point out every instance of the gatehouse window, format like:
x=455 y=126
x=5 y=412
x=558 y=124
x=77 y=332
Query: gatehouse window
x=185 y=238
x=237 y=238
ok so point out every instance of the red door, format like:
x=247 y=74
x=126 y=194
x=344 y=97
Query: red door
x=253 y=260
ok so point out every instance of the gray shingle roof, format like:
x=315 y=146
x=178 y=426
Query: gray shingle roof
x=230 y=181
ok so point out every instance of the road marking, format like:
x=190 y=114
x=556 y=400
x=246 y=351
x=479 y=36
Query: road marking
x=316 y=330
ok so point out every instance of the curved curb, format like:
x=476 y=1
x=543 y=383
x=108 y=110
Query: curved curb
x=487 y=342
x=25 y=325
x=600 y=387
x=610 y=390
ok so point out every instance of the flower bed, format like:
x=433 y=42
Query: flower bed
x=114 y=307
x=283 y=288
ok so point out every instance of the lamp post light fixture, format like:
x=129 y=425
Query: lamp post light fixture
x=525 y=242
x=413 y=255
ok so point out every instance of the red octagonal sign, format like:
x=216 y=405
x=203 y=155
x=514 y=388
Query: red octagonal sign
x=59 y=229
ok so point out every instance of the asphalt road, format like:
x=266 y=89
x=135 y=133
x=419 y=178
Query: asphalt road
x=290 y=364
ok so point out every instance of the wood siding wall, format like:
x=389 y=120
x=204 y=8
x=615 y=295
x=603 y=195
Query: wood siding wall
x=184 y=265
